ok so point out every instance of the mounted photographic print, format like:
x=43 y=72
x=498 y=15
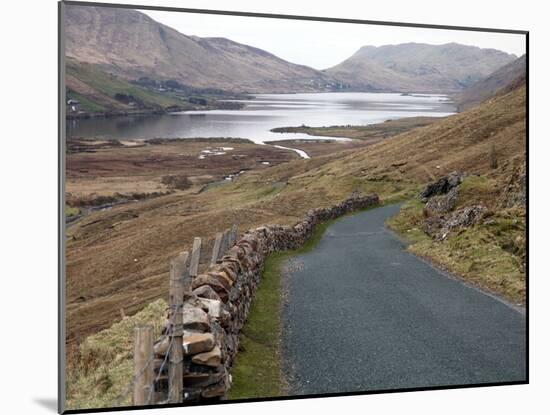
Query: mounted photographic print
x=261 y=206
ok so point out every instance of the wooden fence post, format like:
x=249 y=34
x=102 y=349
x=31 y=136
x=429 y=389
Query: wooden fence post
x=143 y=365
x=234 y=235
x=179 y=281
x=225 y=243
x=216 y=248
x=195 y=258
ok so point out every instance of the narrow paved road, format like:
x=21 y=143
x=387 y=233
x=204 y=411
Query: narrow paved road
x=362 y=314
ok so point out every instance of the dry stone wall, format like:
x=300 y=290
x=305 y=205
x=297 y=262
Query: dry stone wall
x=218 y=305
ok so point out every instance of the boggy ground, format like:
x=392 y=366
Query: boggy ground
x=99 y=170
x=322 y=147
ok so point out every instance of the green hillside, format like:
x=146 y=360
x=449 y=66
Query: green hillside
x=99 y=91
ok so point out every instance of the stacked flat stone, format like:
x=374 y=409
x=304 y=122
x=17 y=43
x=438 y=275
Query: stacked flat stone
x=218 y=306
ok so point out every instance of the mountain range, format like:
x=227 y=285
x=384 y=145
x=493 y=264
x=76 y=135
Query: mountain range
x=130 y=45
x=418 y=67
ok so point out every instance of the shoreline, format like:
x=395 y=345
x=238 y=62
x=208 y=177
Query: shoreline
x=84 y=115
x=118 y=113
x=336 y=137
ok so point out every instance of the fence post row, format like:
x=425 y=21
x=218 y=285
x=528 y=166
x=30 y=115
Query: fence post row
x=224 y=241
x=143 y=367
x=179 y=285
x=181 y=276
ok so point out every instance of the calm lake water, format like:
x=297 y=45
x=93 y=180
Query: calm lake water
x=268 y=111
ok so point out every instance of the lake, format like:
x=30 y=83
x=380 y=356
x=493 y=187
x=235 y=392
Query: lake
x=267 y=111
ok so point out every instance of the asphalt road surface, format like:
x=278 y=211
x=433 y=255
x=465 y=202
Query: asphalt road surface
x=361 y=314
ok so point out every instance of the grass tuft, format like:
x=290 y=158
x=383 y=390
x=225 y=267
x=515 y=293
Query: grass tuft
x=104 y=367
x=490 y=255
x=71 y=211
x=257 y=370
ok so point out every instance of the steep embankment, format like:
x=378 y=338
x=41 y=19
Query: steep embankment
x=475 y=224
x=499 y=82
x=417 y=67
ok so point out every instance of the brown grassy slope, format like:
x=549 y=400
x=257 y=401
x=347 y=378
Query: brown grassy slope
x=501 y=81
x=460 y=142
x=119 y=258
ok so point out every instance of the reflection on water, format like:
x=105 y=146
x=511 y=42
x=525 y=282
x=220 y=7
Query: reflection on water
x=268 y=111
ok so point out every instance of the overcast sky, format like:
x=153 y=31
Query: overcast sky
x=321 y=44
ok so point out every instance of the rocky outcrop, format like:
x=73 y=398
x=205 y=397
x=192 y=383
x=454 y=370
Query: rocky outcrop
x=216 y=309
x=440 y=199
x=442 y=203
x=514 y=193
x=442 y=186
x=438 y=227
